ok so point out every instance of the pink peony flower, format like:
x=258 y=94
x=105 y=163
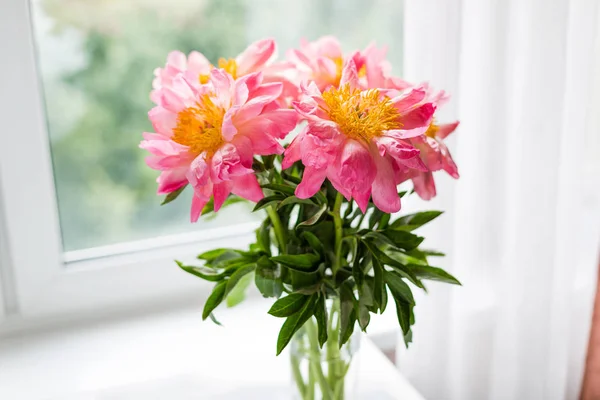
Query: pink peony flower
x=321 y=61
x=196 y=68
x=207 y=135
x=358 y=139
x=435 y=155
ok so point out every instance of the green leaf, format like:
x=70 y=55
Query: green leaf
x=433 y=253
x=398 y=287
x=365 y=301
x=238 y=293
x=384 y=300
x=408 y=338
x=266 y=278
x=313 y=241
x=214 y=319
x=288 y=305
x=349 y=328
x=414 y=221
x=387 y=260
x=433 y=273
x=357 y=266
x=213 y=254
x=321 y=317
x=173 y=195
x=263 y=236
x=383 y=222
x=315 y=218
x=347 y=312
x=267 y=201
x=378 y=284
x=294 y=200
x=310 y=289
x=215 y=298
x=237 y=276
x=403 y=311
x=284 y=189
x=300 y=262
x=295 y=322
x=204 y=273
x=375 y=217
x=290 y=178
x=403 y=239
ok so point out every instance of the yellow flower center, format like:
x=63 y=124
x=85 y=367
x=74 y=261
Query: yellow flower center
x=199 y=127
x=230 y=66
x=339 y=68
x=432 y=130
x=361 y=115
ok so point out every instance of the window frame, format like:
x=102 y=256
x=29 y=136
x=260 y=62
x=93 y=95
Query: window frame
x=46 y=281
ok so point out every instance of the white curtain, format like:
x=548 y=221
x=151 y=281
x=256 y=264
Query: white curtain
x=522 y=227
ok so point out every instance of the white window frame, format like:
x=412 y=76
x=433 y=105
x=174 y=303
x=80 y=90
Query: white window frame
x=111 y=276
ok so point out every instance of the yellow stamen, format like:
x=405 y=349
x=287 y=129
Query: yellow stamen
x=204 y=78
x=339 y=68
x=432 y=130
x=361 y=115
x=199 y=127
x=230 y=66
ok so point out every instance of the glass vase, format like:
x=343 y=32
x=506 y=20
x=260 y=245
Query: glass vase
x=326 y=373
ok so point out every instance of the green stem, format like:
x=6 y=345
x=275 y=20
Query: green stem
x=280 y=233
x=295 y=361
x=337 y=221
x=315 y=359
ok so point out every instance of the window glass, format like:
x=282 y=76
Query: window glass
x=96 y=61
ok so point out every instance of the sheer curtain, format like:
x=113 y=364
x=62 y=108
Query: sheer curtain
x=522 y=228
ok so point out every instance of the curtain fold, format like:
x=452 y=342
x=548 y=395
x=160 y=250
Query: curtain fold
x=522 y=227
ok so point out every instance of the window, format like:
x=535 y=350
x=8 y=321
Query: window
x=77 y=192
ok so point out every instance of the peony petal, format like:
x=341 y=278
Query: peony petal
x=284 y=119
x=357 y=169
x=171 y=101
x=399 y=134
x=293 y=152
x=384 y=190
x=407 y=101
x=177 y=60
x=198 y=173
x=349 y=74
x=247 y=186
x=220 y=193
x=362 y=199
x=197 y=206
x=419 y=117
x=223 y=84
x=270 y=91
x=262 y=133
x=171 y=180
x=227 y=163
x=255 y=56
x=197 y=63
x=445 y=129
x=312 y=179
x=424 y=185
x=228 y=129
x=328 y=46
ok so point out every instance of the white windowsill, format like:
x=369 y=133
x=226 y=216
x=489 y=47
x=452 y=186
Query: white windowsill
x=68 y=363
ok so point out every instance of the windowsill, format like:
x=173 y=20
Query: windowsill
x=103 y=355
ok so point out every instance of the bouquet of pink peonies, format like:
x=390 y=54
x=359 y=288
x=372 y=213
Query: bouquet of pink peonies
x=330 y=250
